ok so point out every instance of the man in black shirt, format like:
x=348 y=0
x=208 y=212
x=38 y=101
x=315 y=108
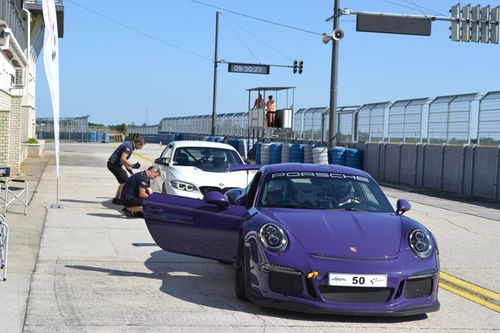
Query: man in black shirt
x=136 y=189
x=119 y=158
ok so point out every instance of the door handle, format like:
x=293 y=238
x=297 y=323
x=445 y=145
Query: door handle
x=156 y=210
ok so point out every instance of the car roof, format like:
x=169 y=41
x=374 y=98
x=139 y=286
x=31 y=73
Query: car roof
x=199 y=143
x=309 y=167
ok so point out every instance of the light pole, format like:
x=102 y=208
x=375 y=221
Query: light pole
x=332 y=122
x=216 y=63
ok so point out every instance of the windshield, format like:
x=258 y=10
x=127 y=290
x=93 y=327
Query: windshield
x=207 y=159
x=315 y=190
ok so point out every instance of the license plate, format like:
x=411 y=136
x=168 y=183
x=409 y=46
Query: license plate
x=357 y=280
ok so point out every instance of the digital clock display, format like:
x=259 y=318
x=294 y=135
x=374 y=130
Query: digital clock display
x=248 y=68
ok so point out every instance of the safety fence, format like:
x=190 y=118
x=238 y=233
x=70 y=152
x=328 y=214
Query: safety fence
x=456 y=119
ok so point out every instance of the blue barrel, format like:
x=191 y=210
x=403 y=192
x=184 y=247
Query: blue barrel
x=297 y=153
x=275 y=153
x=93 y=136
x=257 y=152
x=99 y=136
x=106 y=138
x=353 y=158
x=338 y=155
x=233 y=143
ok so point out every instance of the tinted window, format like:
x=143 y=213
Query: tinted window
x=311 y=190
x=207 y=159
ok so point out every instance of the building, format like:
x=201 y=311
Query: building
x=21 y=42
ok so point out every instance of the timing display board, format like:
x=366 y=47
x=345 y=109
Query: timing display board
x=233 y=67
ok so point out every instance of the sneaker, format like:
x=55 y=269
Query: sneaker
x=116 y=201
x=138 y=214
x=127 y=212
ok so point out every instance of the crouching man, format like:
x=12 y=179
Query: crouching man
x=136 y=189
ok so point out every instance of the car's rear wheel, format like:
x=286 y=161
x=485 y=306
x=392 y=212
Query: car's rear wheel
x=241 y=273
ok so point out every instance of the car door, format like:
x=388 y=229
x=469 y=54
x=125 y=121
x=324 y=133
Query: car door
x=194 y=227
x=163 y=161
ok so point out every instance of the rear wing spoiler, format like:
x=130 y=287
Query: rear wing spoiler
x=243 y=167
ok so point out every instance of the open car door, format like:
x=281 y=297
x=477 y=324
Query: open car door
x=195 y=227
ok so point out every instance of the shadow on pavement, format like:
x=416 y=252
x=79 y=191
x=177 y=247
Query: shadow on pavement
x=209 y=283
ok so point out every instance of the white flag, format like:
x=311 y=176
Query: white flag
x=51 y=62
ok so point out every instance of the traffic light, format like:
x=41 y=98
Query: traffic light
x=301 y=66
x=475 y=24
x=455 y=23
x=295 y=66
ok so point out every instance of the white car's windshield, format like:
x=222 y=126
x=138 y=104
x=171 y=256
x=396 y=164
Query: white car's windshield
x=207 y=159
x=313 y=190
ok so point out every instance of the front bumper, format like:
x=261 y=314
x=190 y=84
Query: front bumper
x=406 y=294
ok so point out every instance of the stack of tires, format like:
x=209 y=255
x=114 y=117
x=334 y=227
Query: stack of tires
x=106 y=138
x=233 y=143
x=308 y=153
x=297 y=153
x=265 y=153
x=338 y=156
x=275 y=153
x=99 y=136
x=285 y=153
x=320 y=155
x=353 y=158
x=242 y=145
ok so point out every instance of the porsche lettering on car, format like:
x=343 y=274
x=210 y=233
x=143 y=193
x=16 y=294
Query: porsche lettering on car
x=308 y=238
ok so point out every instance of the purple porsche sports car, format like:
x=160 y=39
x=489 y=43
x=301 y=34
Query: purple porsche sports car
x=309 y=238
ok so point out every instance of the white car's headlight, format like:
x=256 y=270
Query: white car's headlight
x=183 y=186
x=421 y=243
x=273 y=237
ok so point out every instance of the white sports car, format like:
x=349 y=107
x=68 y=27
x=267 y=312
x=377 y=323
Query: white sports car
x=193 y=168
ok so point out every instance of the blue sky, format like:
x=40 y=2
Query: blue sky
x=124 y=61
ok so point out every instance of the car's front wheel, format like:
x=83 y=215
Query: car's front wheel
x=241 y=272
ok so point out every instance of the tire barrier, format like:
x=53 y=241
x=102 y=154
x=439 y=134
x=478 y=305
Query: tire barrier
x=257 y=153
x=320 y=155
x=285 y=153
x=338 y=156
x=353 y=158
x=265 y=153
x=98 y=136
x=308 y=153
x=275 y=153
x=297 y=153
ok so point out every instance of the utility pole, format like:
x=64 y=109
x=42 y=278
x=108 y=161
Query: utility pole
x=216 y=64
x=332 y=122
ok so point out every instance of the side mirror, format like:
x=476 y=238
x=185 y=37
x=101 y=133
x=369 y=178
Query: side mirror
x=402 y=206
x=216 y=198
x=161 y=161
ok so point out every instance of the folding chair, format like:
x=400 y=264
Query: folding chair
x=10 y=192
x=4 y=243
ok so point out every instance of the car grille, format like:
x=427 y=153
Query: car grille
x=355 y=294
x=205 y=189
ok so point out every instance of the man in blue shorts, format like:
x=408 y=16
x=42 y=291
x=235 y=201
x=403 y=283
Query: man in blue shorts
x=120 y=158
x=136 y=189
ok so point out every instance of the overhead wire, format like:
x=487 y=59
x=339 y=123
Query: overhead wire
x=256 y=18
x=261 y=41
x=145 y=34
x=241 y=39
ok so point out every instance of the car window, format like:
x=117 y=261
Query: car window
x=207 y=159
x=167 y=153
x=252 y=189
x=310 y=190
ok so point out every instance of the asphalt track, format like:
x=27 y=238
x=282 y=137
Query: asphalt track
x=84 y=267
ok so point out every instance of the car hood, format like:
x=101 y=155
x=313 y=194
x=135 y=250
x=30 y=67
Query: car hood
x=199 y=177
x=343 y=234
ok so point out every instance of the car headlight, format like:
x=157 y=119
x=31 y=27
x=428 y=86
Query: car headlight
x=273 y=237
x=420 y=243
x=183 y=186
